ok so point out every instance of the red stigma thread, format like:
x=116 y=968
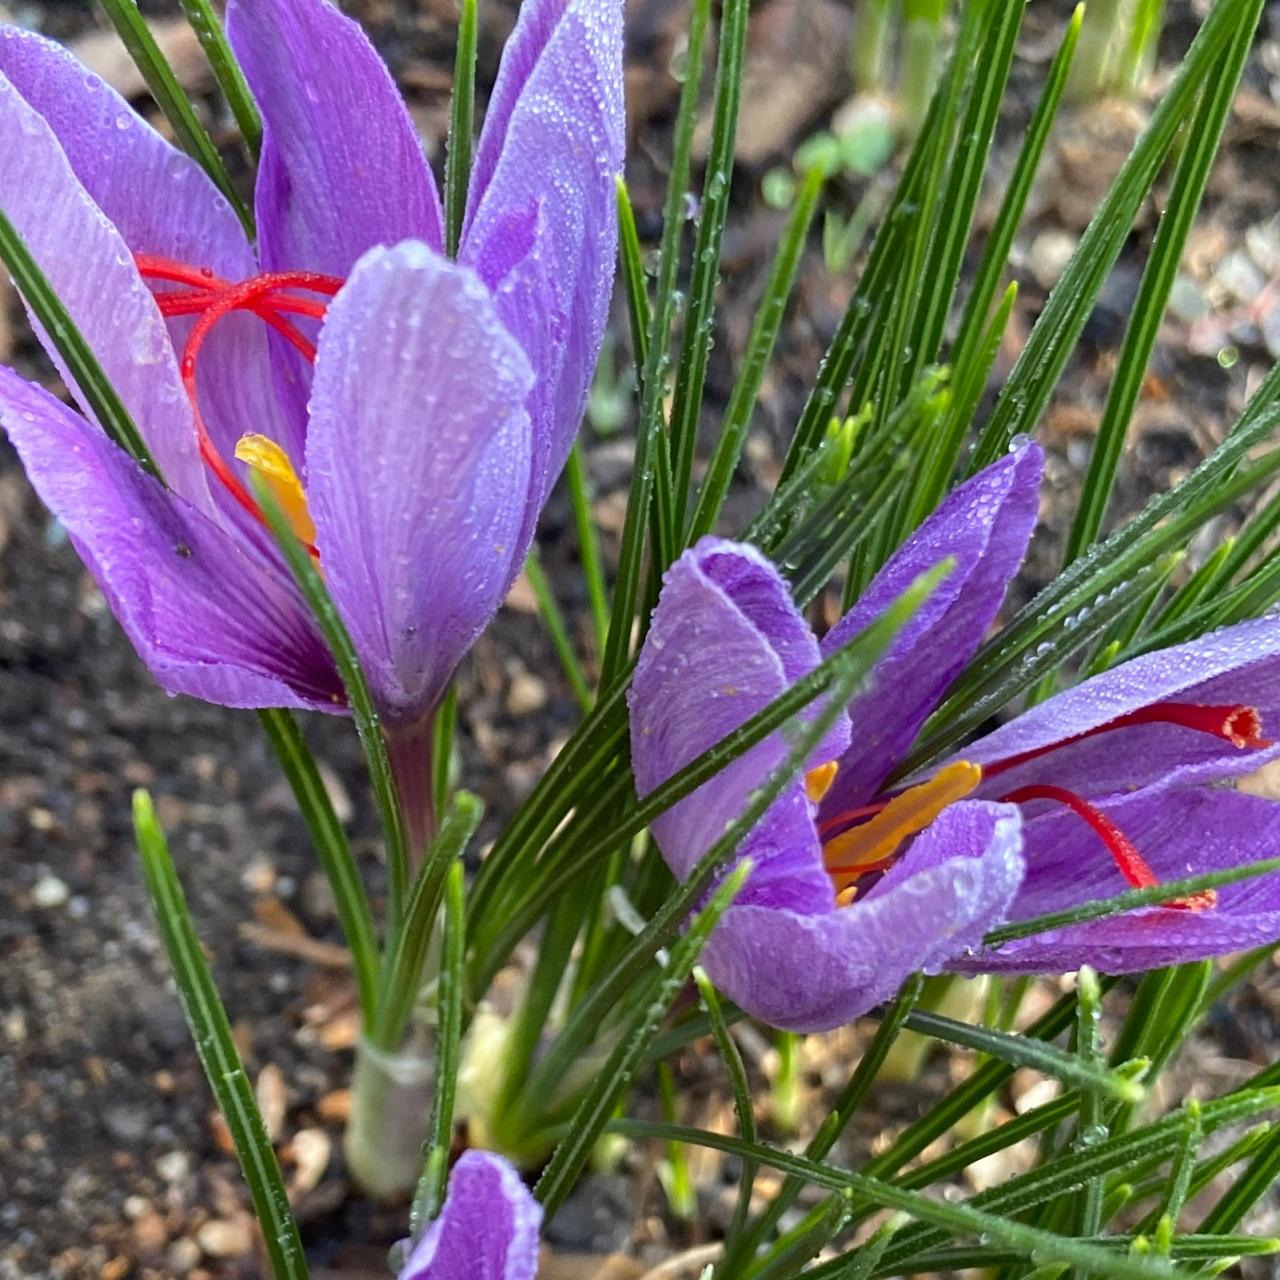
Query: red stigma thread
x=210 y=298
x=1239 y=725
x=1131 y=864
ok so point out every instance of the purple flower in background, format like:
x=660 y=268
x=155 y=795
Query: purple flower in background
x=487 y=1230
x=409 y=412
x=859 y=882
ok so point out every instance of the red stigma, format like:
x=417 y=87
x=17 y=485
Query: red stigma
x=1130 y=863
x=210 y=298
x=1239 y=725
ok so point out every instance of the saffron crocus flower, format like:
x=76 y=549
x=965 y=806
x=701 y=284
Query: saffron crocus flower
x=859 y=882
x=409 y=412
x=487 y=1230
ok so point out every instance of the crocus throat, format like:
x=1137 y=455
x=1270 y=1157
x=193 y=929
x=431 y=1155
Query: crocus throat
x=272 y=297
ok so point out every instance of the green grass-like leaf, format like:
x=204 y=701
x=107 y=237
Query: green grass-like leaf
x=192 y=136
x=211 y=1031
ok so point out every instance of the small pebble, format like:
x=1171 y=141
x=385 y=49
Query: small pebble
x=222 y=1239
x=527 y=694
x=183 y=1255
x=49 y=893
x=173 y=1166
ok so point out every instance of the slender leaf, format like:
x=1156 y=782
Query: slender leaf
x=330 y=843
x=1030 y=384
x=92 y=385
x=226 y=70
x=192 y=136
x=651 y=473
x=699 y=320
x=211 y=1031
x=430 y=1194
x=365 y=714
x=1203 y=134
x=457 y=163
x=612 y=1080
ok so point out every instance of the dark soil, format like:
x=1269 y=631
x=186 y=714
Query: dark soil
x=112 y=1161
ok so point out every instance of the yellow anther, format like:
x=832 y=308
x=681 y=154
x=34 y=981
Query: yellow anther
x=271 y=462
x=864 y=848
x=817 y=782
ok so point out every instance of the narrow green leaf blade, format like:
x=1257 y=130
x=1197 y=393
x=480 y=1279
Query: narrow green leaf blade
x=211 y=1030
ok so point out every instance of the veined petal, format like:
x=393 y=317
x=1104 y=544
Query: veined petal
x=418 y=462
x=552 y=141
x=162 y=203
x=487 y=1230
x=91 y=269
x=1237 y=666
x=812 y=972
x=984 y=525
x=341 y=167
x=206 y=619
x=727 y=639
x=156 y=196
x=1180 y=833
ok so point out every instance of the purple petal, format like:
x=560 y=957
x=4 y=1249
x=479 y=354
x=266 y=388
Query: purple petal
x=812 y=972
x=162 y=203
x=341 y=168
x=1238 y=665
x=157 y=197
x=1180 y=833
x=726 y=640
x=487 y=1230
x=417 y=459
x=91 y=269
x=984 y=525
x=206 y=619
x=549 y=153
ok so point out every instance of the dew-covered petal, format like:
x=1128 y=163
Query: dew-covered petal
x=550 y=150
x=812 y=972
x=206 y=619
x=1237 y=666
x=1179 y=833
x=157 y=197
x=725 y=641
x=418 y=462
x=487 y=1230
x=163 y=203
x=90 y=266
x=984 y=526
x=341 y=168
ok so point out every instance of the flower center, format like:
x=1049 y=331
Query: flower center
x=272 y=297
x=860 y=841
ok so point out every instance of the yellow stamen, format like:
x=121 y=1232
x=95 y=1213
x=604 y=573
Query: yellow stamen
x=817 y=782
x=855 y=852
x=271 y=462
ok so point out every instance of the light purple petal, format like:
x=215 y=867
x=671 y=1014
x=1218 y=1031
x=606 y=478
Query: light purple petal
x=418 y=462
x=162 y=203
x=157 y=197
x=1238 y=665
x=91 y=269
x=487 y=1230
x=984 y=525
x=550 y=150
x=726 y=640
x=204 y=618
x=341 y=168
x=813 y=972
x=1179 y=833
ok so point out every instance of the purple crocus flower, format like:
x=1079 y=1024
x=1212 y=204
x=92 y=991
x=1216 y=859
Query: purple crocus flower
x=487 y=1230
x=859 y=881
x=410 y=412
